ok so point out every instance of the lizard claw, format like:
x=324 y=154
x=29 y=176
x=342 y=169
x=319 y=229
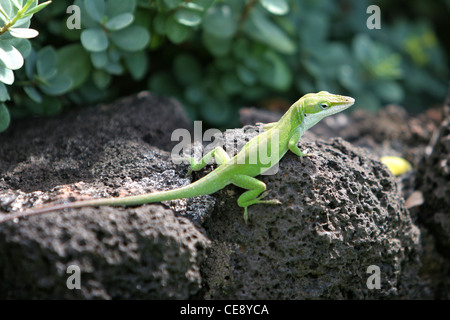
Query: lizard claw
x=245 y=215
x=306 y=153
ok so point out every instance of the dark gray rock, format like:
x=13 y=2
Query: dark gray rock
x=143 y=252
x=341 y=213
x=435 y=186
x=137 y=253
x=39 y=154
x=422 y=139
x=434 y=213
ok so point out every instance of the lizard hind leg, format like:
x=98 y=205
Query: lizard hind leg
x=256 y=191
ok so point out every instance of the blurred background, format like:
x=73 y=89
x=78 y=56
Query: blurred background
x=218 y=56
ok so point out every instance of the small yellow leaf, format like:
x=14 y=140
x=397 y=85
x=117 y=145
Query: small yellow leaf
x=396 y=165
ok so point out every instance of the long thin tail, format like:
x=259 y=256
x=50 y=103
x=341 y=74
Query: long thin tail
x=32 y=212
x=192 y=190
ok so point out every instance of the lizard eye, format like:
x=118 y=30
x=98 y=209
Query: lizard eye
x=324 y=106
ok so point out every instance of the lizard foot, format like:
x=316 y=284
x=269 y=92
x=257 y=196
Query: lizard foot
x=306 y=153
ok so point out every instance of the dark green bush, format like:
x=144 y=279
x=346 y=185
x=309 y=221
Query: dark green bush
x=216 y=56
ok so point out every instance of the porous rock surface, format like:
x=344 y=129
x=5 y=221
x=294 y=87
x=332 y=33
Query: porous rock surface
x=341 y=213
x=434 y=214
x=143 y=252
x=435 y=184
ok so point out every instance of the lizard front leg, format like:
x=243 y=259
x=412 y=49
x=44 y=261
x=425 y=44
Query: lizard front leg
x=292 y=144
x=219 y=155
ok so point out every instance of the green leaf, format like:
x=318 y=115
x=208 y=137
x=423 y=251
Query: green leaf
x=389 y=91
x=176 y=32
x=114 y=55
x=137 y=64
x=71 y=75
x=159 y=24
x=73 y=61
x=278 y=75
x=6 y=75
x=218 y=111
x=99 y=59
x=24 y=33
x=24 y=47
x=246 y=75
x=33 y=94
x=94 y=39
x=10 y=57
x=205 y=4
x=188 y=17
x=114 y=68
x=30 y=64
x=5 y=118
x=348 y=78
x=33 y=10
x=95 y=9
x=362 y=45
x=57 y=85
x=86 y=20
x=132 y=38
x=101 y=79
x=7 y=11
x=278 y=7
x=4 y=95
x=192 y=5
x=172 y=4
x=30 y=3
x=119 y=22
x=17 y=4
x=217 y=46
x=220 y=21
x=23 y=22
x=313 y=67
x=46 y=63
x=261 y=29
x=48 y=107
x=117 y=7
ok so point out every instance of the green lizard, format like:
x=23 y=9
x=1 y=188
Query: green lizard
x=240 y=170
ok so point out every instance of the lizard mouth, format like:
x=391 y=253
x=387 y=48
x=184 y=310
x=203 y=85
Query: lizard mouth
x=342 y=105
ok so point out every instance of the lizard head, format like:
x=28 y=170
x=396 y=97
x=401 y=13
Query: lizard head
x=316 y=106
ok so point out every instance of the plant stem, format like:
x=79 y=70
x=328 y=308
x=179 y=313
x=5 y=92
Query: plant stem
x=19 y=15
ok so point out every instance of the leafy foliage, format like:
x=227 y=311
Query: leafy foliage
x=214 y=56
x=14 y=46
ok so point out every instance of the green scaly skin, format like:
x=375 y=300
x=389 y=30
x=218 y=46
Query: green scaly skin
x=240 y=170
